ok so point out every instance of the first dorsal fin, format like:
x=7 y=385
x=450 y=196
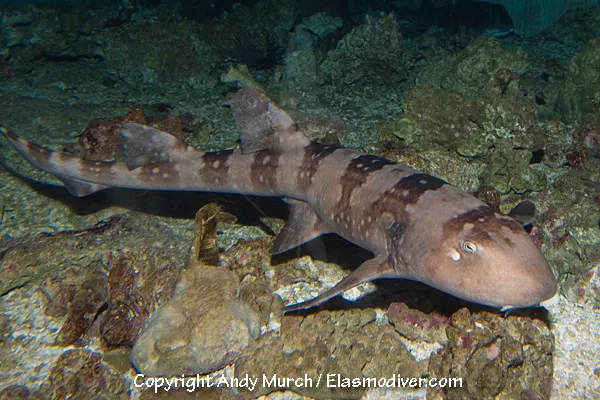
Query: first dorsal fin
x=524 y=212
x=143 y=144
x=262 y=124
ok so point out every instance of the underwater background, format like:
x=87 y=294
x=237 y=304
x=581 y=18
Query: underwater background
x=500 y=98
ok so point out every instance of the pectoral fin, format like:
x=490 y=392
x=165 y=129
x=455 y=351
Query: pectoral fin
x=375 y=268
x=302 y=226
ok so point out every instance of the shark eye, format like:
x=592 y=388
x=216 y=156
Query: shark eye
x=469 y=247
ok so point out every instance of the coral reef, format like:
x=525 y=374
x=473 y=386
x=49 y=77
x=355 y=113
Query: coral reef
x=370 y=54
x=576 y=98
x=471 y=127
x=322 y=24
x=482 y=67
x=496 y=356
x=141 y=54
x=349 y=344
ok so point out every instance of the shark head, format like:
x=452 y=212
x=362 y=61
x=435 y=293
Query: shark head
x=488 y=258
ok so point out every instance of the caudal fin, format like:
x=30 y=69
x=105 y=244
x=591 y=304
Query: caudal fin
x=47 y=160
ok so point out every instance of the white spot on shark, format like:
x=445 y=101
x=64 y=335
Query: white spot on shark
x=468 y=226
x=455 y=255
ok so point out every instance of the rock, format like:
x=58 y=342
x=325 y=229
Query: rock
x=185 y=394
x=509 y=170
x=559 y=144
x=128 y=304
x=575 y=99
x=82 y=373
x=200 y=330
x=371 y=53
x=18 y=392
x=138 y=53
x=417 y=325
x=206 y=325
x=481 y=68
x=70 y=269
x=322 y=24
x=301 y=67
x=495 y=357
x=471 y=127
x=349 y=344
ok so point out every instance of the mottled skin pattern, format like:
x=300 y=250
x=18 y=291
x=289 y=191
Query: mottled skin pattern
x=417 y=226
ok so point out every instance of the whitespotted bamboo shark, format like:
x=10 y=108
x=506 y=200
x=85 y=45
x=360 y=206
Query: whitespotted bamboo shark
x=417 y=226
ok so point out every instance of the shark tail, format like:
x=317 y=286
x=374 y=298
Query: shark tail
x=43 y=159
x=142 y=145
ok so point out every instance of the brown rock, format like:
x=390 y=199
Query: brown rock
x=417 y=325
x=495 y=357
x=81 y=374
x=327 y=345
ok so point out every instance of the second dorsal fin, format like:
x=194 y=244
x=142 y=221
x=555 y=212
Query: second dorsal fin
x=262 y=124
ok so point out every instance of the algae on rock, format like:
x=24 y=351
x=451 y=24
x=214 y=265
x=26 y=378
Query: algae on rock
x=577 y=97
x=496 y=357
x=372 y=53
x=468 y=126
x=345 y=344
x=471 y=71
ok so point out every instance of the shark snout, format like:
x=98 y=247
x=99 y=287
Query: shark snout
x=532 y=283
x=532 y=292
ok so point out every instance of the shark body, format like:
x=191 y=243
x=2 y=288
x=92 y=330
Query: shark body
x=417 y=226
